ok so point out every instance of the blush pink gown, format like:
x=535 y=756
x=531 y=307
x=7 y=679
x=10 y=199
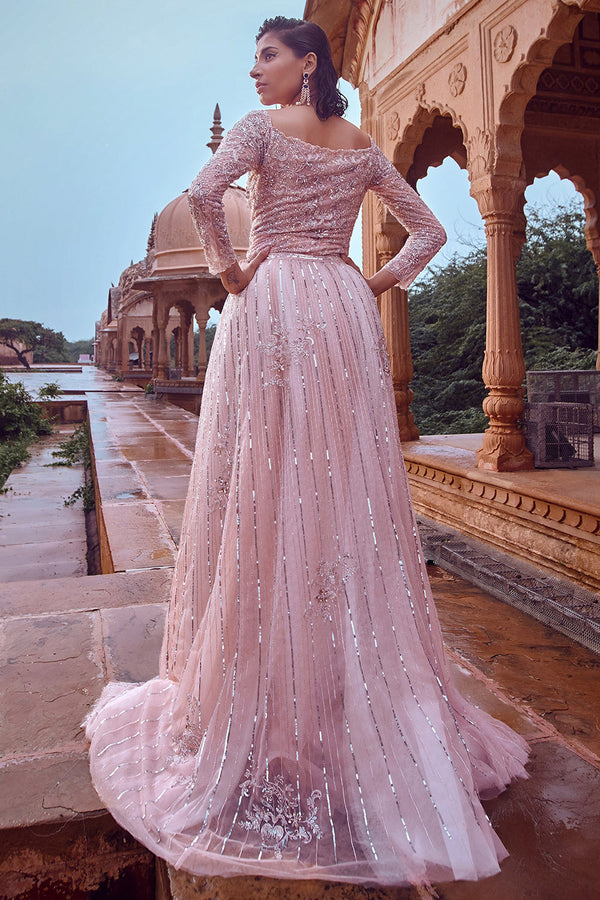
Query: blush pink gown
x=304 y=724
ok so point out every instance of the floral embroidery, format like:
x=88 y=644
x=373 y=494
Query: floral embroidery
x=283 y=350
x=384 y=355
x=222 y=445
x=189 y=740
x=330 y=580
x=219 y=491
x=277 y=816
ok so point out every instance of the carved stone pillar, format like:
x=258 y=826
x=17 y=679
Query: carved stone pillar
x=593 y=245
x=122 y=359
x=162 y=321
x=393 y=308
x=504 y=449
x=201 y=319
x=187 y=341
x=177 y=335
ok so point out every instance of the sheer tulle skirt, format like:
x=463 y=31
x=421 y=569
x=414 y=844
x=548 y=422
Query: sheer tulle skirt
x=304 y=724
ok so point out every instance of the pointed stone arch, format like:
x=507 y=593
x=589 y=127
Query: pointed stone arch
x=430 y=137
x=558 y=30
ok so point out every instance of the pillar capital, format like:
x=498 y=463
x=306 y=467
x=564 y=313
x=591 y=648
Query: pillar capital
x=499 y=197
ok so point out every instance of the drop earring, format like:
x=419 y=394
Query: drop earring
x=304 y=92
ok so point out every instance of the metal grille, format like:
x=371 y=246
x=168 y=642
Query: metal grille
x=560 y=435
x=571 y=386
x=565 y=607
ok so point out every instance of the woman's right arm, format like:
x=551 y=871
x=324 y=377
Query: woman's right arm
x=241 y=150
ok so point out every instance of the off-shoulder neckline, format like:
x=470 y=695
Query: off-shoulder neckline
x=290 y=137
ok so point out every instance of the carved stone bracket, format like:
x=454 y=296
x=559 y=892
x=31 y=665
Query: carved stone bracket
x=393 y=126
x=457 y=79
x=481 y=154
x=505 y=42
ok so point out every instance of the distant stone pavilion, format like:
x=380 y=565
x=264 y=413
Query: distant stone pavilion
x=146 y=333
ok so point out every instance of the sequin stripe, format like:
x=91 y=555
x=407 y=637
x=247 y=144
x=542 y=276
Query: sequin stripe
x=358 y=444
x=225 y=751
x=312 y=629
x=326 y=784
x=375 y=723
x=317 y=278
x=411 y=686
x=259 y=679
x=326 y=417
x=305 y=550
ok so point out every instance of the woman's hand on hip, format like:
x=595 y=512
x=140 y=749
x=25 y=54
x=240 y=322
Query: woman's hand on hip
x=379 y=282
x=237 y=277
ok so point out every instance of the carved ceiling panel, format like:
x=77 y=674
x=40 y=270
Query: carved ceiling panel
x=570 y=87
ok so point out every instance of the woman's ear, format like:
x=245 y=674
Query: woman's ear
x=310 y=63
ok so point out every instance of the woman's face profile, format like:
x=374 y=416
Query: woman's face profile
x=277 y=71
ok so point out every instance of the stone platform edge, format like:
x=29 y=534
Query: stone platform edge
x=558 y=535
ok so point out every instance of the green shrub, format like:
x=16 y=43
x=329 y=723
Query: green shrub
x=77 y=449
x=49 y=391
x=21 y=422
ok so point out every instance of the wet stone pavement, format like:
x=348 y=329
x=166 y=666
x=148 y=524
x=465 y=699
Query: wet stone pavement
x=64 y=635
x=40 y=537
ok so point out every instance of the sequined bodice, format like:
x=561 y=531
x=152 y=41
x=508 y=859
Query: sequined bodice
x=305 y=198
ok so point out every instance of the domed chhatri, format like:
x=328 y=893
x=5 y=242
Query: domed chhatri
x=177 y=246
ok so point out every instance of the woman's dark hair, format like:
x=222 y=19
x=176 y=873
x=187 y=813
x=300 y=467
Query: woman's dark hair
x=306 y=37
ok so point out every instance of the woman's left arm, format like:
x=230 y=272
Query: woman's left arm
x=425 y=234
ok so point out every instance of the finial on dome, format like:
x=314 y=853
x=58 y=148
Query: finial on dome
x=216 y=129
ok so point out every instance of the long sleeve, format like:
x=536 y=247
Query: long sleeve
x=425 y=234
x=242 y=150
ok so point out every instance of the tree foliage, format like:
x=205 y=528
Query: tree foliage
x=558 y=296
x=24 y=337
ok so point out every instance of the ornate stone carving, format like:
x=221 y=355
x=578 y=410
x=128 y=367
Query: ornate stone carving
x=363 y=11
x=505 y=43
x=393 y=126
x=420 y=92
x=481 y=153
x=457 y=79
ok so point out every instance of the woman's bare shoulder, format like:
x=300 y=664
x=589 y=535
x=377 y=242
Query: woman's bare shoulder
x=335 y=132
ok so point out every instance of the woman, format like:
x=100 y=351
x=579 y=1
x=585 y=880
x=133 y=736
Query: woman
x=304 y=724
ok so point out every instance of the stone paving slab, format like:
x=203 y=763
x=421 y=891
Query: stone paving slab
x=172 y=513
x=118 y=480
x=52 y=669
x=138 y=536
x=48 y=670
x=155 y=443
x=132 y=640
x=67 y=529
x=46 y=789
x=557 y=678
x=44 y=559
x=20 y=599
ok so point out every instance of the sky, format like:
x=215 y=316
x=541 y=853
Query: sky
x=106 y=110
